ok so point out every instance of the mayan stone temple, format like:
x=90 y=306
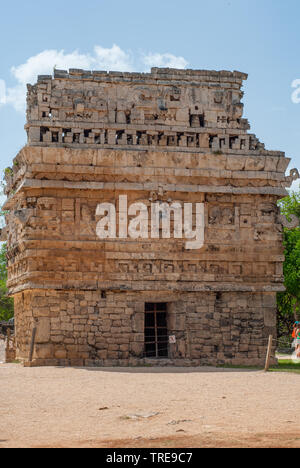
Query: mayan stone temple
x=169 y=136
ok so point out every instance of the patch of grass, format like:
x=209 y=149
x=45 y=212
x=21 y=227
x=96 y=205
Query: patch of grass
x=286 y=365
x=288 y=362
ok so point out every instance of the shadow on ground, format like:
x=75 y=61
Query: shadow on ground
x=165 y=370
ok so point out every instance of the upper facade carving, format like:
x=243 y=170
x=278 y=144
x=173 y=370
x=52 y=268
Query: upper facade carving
x=178 y=108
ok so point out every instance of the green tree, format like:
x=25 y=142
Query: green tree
x=6 y=303
x=289 y=301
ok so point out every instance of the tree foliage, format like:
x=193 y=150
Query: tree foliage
x=289 y=301
x=6 y=303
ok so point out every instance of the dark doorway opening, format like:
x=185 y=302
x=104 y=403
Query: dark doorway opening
x=156 y=330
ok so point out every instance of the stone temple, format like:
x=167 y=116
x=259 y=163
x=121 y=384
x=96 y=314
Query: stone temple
x=165 y=136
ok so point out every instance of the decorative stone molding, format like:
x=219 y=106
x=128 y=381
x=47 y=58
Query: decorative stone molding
x=294 y=175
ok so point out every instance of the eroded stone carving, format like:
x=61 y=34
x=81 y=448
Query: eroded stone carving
x=294 y=175
x=23 y=216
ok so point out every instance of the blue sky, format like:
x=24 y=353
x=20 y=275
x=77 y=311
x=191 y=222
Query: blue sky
x=259 y=37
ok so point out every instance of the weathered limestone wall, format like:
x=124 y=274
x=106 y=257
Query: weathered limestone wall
x=81 y=328
x=59 y=247
x=167 y=136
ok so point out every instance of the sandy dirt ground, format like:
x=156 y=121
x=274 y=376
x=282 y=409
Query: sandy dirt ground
x=146 y=407
x=2 y=351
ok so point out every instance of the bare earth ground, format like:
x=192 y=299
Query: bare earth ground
x=2 y=351
x=147 y=407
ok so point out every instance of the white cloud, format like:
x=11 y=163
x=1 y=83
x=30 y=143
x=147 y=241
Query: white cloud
x=2 y=92
x=295 y=186
x=101 y=58
x=165 y=61
x=113 y=59
x=46 y=61
x=17 y=97
x=296 y=93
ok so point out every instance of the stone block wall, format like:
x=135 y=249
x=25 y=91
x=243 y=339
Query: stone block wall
x=80 y=328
